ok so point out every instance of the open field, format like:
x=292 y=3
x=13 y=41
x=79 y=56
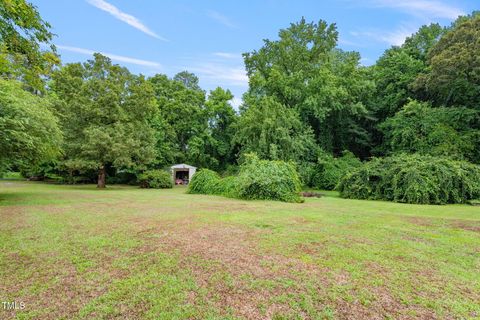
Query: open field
x=75 y=252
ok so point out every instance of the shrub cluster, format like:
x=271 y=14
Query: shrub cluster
x=205 y=181
x=156 y=179
x=329 y=170
x=257 y=179
x=268 y=180
x=413 y=179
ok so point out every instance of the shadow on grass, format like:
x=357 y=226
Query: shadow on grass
x=14 y=198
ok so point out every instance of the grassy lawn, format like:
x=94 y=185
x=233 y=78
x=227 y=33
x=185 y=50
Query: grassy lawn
x=74 y=252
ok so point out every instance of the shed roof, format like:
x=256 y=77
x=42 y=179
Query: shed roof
x=182 y=166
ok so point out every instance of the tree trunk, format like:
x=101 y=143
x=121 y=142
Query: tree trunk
x=101 y=177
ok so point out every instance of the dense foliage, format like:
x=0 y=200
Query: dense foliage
x=192 y=129
x=323 y=85
x=104 y=112
x=310 y=106
x=268 y=180
x=274 y=132
x=329 y=170
x=156 y=179
x=413 y=179
x=257 y=179
x=453 y=76
x=443 y=131
x=29 y=131
x=22 y=32
x=205 y=181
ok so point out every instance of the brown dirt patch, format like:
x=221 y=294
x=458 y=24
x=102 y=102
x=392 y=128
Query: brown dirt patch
x=210 y=251
x=468 y=225
x=419 y=221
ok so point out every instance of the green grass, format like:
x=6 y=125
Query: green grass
x=75 y=252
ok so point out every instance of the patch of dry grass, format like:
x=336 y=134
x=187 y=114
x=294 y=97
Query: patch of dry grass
x=75 y=252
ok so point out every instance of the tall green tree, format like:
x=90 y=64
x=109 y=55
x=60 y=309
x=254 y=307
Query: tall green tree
x=453 y=74
x=105 y=112
x=29 y=131
x=188 y=79
x=304 y=71
x=22 y=32
x=396 y=71
x=274 y=132
x=182 y=104
x=221 y=121
x=441 y=131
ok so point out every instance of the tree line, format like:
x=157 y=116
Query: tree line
x=307 y=101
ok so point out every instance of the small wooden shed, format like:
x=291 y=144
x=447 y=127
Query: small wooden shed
x=182 y=173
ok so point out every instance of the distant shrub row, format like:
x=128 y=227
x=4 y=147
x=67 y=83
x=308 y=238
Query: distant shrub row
x=413 y=179
x=257 y=179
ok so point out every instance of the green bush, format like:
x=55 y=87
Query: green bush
x=156 y=179
x=10 y=175
x=228 y=187
x=329 y=170
x=306 y=171
x=258 y=179
x=268 y=180
x=205 y=181
x=413 y=179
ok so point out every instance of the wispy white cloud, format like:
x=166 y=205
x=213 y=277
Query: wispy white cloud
x=422 y=11
x=396 y=37
x=228 y=55
x=114 y=57
x=426 y=8
x=349 y=43
x=220 y=18
x=222 y=74
x=125 y=17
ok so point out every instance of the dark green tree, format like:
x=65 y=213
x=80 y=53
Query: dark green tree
x=181 y=107
x=221 y=121
x=303 y=71
x=274 y=131
x=22 y=31
x=188 y=79
x=419 y=128
x=182 y=104
x=396 y=71
x=29 y=131
x=453 y=74
x=105 y=112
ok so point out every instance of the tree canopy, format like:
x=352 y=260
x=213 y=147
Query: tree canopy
x=443 y=131
x=22 y=32
x=453 y=74
x=308 y=102
x=304 y=71
x=29 y=128
x=104 y=112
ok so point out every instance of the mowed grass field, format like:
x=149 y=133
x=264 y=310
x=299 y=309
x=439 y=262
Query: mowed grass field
x=75 y=252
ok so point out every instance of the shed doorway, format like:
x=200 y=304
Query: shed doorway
x=182 y=173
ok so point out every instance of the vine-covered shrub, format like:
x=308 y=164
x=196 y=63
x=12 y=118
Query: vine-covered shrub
x=329 y=170
x=205 y=181
x=156 y=179
x=268 y=180
x=228 y=187
x=413 y=179
x=257 y=179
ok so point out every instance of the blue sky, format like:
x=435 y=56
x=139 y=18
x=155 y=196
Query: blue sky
x=207 y=37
